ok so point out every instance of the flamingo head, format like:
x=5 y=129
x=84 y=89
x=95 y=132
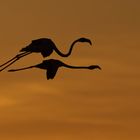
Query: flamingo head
x=94 y=67
x=85 y=40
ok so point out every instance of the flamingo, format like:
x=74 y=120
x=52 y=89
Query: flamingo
x=45 y=46
x=52 y=66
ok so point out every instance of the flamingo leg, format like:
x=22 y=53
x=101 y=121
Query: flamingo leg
x=14 y=59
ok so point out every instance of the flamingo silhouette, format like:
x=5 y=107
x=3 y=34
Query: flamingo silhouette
x=44 y=46
x=52 y=66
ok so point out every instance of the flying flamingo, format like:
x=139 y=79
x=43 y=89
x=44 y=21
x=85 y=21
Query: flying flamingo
x=44 y=46
x=52 y=66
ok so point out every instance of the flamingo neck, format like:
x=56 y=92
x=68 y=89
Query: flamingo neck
x=69 y=52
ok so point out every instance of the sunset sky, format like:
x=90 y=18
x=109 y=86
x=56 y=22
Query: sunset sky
x=77 y=104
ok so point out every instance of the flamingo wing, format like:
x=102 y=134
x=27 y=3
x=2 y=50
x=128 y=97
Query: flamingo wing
x=51 y=72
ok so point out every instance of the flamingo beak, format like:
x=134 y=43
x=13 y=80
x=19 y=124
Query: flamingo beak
x=89 y=42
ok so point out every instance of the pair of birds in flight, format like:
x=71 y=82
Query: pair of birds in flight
x=46 y=47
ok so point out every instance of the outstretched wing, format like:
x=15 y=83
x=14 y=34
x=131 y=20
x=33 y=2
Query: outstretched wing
x=51 y=72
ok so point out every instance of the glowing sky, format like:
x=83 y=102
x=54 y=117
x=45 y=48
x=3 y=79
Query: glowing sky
x=77 y=104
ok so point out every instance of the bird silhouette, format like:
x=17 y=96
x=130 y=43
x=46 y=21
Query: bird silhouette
x=52 y=66
x=45 y=46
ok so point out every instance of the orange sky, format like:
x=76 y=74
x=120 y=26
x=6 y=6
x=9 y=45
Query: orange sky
x=76 y=105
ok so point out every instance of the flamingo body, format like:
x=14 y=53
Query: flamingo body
x=44 y=46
